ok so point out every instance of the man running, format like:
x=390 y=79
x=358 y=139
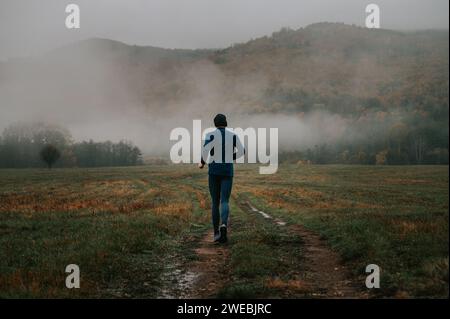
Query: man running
x=220 y=173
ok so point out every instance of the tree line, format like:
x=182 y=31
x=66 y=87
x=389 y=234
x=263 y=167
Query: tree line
x=410 y=132
x=40 y=144
x=397 y=144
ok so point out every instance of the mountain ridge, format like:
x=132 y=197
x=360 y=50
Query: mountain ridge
x=370 y=95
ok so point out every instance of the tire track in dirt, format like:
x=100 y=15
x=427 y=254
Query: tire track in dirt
x=322 y=270
x=202 y=278
x=211 y=268
x=206 y=275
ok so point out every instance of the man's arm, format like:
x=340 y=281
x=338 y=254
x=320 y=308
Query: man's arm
x=208 y=139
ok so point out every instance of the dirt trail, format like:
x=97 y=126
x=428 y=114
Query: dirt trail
x=321 y=268
x=202 y=278
x=211 y=268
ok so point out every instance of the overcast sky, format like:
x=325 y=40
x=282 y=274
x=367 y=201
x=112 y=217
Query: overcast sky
x=32 y=26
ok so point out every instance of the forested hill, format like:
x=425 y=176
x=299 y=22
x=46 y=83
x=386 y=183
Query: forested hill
x=346 y=69
x=389 y=88
x=332 y=66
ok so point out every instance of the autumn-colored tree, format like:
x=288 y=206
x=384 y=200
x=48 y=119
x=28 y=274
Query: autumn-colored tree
x=381 y=157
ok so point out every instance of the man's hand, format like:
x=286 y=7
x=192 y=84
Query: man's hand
x=201 y=165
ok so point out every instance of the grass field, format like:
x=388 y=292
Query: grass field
x=135 y=232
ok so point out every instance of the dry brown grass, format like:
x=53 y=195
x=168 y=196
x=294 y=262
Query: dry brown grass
x=292 y=285
x=405 y=228
x=121 y=196
x=409 y=181
x=295 y=198
x=180 y=209
x=41 y=283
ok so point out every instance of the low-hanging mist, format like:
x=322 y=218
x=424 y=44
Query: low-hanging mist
x=327 y=84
